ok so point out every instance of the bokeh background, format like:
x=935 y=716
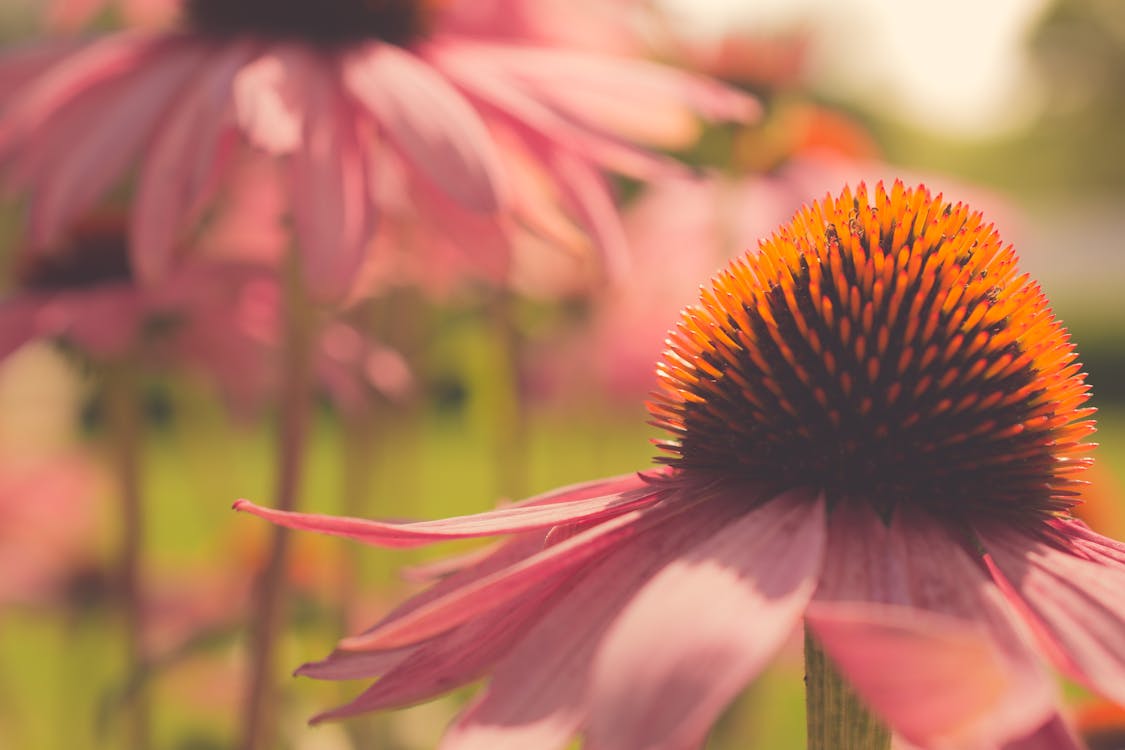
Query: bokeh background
x=1015 y=106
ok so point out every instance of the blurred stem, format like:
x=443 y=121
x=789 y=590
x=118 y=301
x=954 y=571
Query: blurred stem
x=259 y=709
x=511 y=449
x=836 y=718
x=125 y=419
x=357 y=482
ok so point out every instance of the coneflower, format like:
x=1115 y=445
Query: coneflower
x=875 y=425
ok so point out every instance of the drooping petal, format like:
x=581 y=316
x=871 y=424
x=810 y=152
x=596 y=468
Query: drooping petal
x=1082 y=537
x=499 y=589
x=452 y=659
x=180 y=166
x=1055 y=734
x=355 y=664
x=634 y=99
x=509 y=520
x=18 y=322
x=487 y=84
x=1074 y=604
x=430 y=122
x=334 y=216
x=268 y=104
x=538 y=695
x=925 y=637
x=590 y=193
x=696 y=633
x=89 y=141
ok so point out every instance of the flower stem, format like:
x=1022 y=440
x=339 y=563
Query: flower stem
x=510 y=409
x=259 y=715
x=836 y=718
x=126 y=420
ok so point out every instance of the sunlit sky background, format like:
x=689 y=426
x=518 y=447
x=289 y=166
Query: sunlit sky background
x=955 y=66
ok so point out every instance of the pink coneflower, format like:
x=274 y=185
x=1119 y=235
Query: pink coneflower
x=82 y=292
x=875 y=425
x=356 y=97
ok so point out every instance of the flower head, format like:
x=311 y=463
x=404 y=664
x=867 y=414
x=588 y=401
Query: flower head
x=875 y=423
x=373 y=107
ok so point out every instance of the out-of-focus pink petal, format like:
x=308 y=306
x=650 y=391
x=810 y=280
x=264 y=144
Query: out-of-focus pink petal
x=23 y=63
x=18 y=317
x=88 y=143
x=539 y=693
x=634 y=99
x=590 y=193
x=35 y=104
x=696 y=633
x=268 y=104
x=923 y=634
x=179 y=168
x=458 y=61
x=1075 y=605
x=503 y=521
x=1056 y=734
x=430 y=122
x=334 y=216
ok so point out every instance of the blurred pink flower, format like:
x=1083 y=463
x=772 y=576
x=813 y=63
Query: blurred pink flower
x=371 y=107
x=46 y=514
x=917 y=523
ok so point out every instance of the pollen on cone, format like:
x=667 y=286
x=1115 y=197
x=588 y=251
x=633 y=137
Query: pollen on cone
x=882 y=345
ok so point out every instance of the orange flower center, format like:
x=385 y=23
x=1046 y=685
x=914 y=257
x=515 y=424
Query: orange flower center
x=882 y=350
x=328 y=22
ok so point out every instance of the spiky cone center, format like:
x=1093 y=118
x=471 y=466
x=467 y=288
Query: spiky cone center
x=883 y=348
x=95 y=252
x=322 y=22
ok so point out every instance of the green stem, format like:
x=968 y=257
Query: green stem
x=511 y=448
x=126 y=421
x=836 y=718
x=259 y=709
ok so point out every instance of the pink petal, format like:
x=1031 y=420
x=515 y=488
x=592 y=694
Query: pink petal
x=103 y=60
x=1083 y=538
x=538 y=694
x=18 y=322
x=705 y=625
x=22 y=65
x=90 y=140
x=634 y=99
x=460 y=63
x=1056 y=734
x=1075 y=605
x=268 y=104
x=182 y=161
x=590 y=192
x=372 y=663
x=927 y=640
x=430 y=122
x=503 y=521
x=451 y=660
x=490 y=592
x=334 y=216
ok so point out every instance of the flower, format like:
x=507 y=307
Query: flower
x=875 y=425
x=373 y=107
x=83 y=292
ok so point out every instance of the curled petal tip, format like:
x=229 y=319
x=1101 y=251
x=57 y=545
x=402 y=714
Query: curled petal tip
x=241 y=504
